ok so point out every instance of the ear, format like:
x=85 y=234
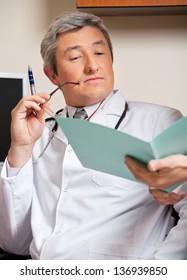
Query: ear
x=51 y=75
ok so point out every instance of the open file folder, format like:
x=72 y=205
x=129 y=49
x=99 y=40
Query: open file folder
x=103 y=149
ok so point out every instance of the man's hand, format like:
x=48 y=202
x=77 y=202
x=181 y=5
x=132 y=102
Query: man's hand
x=160 y=175
x=26 y=127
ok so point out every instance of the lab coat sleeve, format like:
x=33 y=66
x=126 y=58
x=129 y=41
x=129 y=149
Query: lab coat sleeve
x=175 y=245
x=15 y=210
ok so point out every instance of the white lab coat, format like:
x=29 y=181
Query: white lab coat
x=56 y=209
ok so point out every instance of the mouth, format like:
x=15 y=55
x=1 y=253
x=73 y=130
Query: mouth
x=93 y=79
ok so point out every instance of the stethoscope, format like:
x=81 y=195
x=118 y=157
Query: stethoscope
x=122 y=117
x=55 y=126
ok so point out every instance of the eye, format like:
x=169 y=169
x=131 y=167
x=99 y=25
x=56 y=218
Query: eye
x=99 y=53
x=74 y=58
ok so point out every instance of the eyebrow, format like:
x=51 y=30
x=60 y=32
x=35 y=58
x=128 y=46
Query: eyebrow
x=99 y=42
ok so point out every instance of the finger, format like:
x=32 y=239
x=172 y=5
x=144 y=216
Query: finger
x=165 y=198
x=28 y=105
x=177 y=196
x=134 y=166
x=170 y=162
x=161 y=180
x=39 y=98
x=140 y=172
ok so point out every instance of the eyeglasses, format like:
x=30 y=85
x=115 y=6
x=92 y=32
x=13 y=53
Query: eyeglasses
x=48 y=110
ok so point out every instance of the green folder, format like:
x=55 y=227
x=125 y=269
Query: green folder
x=103 y=149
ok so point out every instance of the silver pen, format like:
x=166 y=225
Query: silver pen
x=31 y=81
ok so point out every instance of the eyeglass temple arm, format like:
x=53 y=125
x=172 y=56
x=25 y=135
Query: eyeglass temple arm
x=48 y=110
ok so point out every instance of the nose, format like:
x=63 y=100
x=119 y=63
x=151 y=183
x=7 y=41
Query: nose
x=91 y=65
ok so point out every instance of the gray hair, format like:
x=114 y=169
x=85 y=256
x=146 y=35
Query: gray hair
x=68 y=22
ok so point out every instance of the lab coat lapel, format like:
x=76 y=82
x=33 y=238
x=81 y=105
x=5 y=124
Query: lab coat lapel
x=111 y=111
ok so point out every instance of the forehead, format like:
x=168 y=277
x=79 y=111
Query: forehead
x=84 y=37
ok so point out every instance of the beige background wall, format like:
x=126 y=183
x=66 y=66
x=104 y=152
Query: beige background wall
x=150 y=59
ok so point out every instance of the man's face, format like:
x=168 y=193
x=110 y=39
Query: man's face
x=83 y=56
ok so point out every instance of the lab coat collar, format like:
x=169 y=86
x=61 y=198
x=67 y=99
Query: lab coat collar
x=113 y=105
x=111 y=110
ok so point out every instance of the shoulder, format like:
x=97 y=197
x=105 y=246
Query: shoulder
x=150 y=106
x=151 y=109
x=150 y=119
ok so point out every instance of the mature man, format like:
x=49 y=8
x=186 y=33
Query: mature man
x=53 y=208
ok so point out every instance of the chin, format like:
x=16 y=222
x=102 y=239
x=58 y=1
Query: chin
x=98 y=95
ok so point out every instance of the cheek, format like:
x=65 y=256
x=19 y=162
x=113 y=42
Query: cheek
x=66 y=75
x=108 y=67
x=110 y=72
x=70 y=71
x=63 y=70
